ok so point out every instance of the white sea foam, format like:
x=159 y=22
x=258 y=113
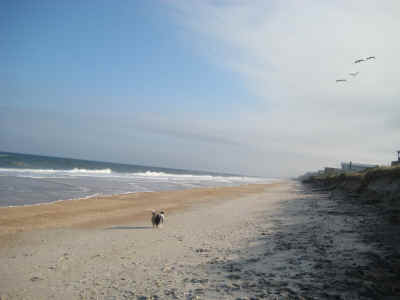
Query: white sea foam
x=170 y=175
x=192 y=177
x=148 y=175
x=49 y=171
x=59 y=200
x=79 y=183
x=54 y=179
x=108 y=181
x=100 y=171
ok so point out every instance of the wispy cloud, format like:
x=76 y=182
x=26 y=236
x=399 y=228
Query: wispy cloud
x=289 y=53
x=286 y=55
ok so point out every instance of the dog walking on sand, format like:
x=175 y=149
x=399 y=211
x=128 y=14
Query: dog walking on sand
x=157 y=218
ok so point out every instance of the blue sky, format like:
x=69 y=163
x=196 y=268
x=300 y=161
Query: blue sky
x=100 y=56
x=233 y=86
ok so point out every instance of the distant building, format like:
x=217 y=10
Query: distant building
x=356 y=167
x=397 y=163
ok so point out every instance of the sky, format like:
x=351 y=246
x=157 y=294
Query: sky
x=244 y=87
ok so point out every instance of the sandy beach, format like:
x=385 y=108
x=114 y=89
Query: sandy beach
x=35 y=239
x=106 y=210
x=274 y=241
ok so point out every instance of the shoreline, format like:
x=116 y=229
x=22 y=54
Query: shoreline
x=99 y=210
x=283 y=241
x=267 y=182
x=131 y=260
x=101 y=194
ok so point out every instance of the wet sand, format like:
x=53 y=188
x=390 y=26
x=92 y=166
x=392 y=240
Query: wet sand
x=105 y=210
x=278 y=241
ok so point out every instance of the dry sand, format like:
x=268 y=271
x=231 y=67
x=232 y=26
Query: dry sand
x=272 y=241
x=118 y=209
x=64 y=249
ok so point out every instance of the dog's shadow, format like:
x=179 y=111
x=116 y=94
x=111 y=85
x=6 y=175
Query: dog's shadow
x=128 y=227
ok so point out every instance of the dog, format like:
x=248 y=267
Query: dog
x=157 y=218
x=162 y=217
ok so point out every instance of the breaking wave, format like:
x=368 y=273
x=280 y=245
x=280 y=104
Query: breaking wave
x=195 y=177
x=151 y=176
x=30 y=179
x=50 y=171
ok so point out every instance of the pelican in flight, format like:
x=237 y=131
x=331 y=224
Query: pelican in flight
x=341 y=80
x=358 y=61
x=354 y=74
x=370 y=57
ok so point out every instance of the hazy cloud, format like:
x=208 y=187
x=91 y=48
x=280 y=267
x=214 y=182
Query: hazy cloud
x=289 y=53
x=296 y=118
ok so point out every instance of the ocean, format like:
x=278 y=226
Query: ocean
x=33 y=179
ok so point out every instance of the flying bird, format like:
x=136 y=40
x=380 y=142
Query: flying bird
x=354 y=74
x=358 y=61
x=370 y=57
x=341 y=80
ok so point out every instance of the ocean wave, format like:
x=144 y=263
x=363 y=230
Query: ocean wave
x=58 y=201
x=163 y=174
x=195 y=177
x=151 y=176
x=51 y=171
